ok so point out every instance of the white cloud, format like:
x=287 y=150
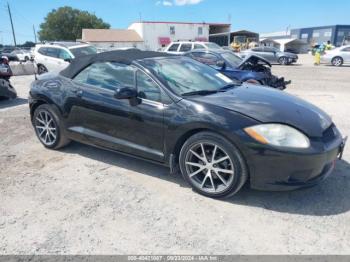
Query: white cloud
x=167 y=3
x=187 y=2
x=177 y=2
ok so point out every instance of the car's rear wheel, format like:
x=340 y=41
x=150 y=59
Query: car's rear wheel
x=337 y=61
x=212 y=165
x=48 y=127
x=283 y=60
x=42 y=69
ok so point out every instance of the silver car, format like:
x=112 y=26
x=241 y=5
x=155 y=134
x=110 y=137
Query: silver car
x=337 y=56
x=271 y=54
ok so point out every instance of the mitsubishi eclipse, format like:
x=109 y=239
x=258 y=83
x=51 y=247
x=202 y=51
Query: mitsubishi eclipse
x=183 y=114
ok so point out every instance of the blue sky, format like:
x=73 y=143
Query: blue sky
x=256 y=15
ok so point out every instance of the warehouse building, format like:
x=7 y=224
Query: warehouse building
x=337 y=34
x=109 y=39
x=158 y=34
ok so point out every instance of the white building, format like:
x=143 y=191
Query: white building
x=159 y=34
x=109 y=39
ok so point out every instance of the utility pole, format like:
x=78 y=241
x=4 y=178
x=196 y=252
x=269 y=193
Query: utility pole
x=34 y=34
x=13 y=30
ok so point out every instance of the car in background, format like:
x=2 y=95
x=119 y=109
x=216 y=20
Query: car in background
x=175 y=111
x=337 y=56
x=55 y=56
x=271 y=54
x=252 y=69
x=22 y=55
x=179 y=48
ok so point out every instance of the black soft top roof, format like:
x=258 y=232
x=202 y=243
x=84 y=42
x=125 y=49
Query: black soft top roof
x=119 y=56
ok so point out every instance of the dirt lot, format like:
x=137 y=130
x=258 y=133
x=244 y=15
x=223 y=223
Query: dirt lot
x=89 y=201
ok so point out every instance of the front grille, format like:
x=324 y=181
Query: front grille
x=329 y=134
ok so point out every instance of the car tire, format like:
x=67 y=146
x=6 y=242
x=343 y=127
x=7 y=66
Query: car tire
x=48 y=127
x=212 y=165
x=42 y=69
x=283 y=60
x=337 y=61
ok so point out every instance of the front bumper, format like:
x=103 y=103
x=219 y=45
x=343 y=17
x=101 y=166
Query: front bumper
x=276 y=170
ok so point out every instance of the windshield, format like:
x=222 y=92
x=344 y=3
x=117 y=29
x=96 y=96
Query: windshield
x=85 y=50
x=232 y=58
x=212 y=46
x=184 y=75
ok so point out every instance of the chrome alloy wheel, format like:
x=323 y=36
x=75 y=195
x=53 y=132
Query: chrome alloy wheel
x=46 y=128
x=209 y=167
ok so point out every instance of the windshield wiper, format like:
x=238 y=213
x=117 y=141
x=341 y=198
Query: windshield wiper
x=229 y=86
x=200 y=92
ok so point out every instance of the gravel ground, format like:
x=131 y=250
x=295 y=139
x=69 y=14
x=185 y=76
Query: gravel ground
x=83 y=200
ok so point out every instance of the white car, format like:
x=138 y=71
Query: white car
x=337 y=56
x=56 y=56
x=180 y=48
x=22 y=55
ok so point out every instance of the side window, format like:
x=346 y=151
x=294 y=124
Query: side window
x=173 y=47
x=63 y=54
x=147 y=88
x=42 y=50
x=258 y=49
x=107 y=75
x=52 y=52
x=198 y=46
x=185 y=47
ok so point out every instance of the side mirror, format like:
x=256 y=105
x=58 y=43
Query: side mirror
x=221 y=64
x=125 y=93
x=68 y=60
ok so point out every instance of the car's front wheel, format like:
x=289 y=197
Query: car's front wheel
x=48 y=127
x=337 y=61
x=212 y=165
x=283 y=60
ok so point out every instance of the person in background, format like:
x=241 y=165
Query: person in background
x=329 y=46
x=319 y=51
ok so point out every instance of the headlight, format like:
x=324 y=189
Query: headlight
x=278 y=135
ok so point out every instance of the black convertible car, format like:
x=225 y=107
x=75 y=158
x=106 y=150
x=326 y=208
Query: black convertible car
x=178 y=112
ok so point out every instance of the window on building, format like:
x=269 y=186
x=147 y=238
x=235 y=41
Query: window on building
x=341 y=33
x=172 y=30
x=305 y=36
x=328 y=33
x=315 y=34
x=294 y=36
x=200 y=30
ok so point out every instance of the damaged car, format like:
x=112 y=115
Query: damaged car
x=6 y=89
x=177 y=112
x=252 y=69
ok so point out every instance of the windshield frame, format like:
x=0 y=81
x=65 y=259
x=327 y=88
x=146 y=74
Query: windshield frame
x=236 y=64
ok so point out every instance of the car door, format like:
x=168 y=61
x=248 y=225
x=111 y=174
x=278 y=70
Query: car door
x=270 y=54
x=119 y=124
x=345 y=53
x=53 y=59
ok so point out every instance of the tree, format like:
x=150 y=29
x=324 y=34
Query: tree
x=28 y=44
x=67 y=23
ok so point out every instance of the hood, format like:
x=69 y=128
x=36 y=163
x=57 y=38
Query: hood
x=254 y=60
x=268 y=105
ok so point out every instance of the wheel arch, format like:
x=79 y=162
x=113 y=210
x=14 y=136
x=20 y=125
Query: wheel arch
x=41 y=101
